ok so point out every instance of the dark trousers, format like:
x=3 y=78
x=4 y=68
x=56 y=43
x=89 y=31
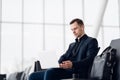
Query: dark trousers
x=51 y=74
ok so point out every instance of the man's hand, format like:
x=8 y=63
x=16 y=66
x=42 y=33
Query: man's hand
x=66 y=64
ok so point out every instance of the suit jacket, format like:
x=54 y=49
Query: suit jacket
x=84 y=56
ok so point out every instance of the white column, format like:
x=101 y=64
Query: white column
x=0 y=30
x=119 y=15
x=99 y=17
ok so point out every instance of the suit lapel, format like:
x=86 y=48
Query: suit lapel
x=80 y=45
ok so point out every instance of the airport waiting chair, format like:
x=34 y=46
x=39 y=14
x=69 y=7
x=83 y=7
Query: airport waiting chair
x=116 y=44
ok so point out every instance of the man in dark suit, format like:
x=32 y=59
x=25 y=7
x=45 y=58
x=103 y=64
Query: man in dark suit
x=77 y=59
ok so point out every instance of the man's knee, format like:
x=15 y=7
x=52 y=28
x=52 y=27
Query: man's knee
x=36 y=76
x=50 y=74
x=32 y=76
x=51 y=71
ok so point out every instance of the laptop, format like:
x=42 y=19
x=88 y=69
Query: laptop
x=48 y=59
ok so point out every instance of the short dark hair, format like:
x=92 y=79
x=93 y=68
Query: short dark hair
x=79 y=21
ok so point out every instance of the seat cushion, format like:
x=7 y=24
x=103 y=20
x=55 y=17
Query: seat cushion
x=116 y=44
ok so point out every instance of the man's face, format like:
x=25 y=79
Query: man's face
x=77 y=29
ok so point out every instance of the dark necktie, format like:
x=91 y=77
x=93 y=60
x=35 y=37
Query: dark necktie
x=74 y=52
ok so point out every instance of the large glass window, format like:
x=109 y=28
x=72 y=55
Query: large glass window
x=33 y=43
x=11 y=47
x=73 y=9
x=54 y=37
x=110 y=33
x=111 y=14
x=54 y=11
x=91 y=8
x=11 y=10
x=69 y=37
x=33 y=11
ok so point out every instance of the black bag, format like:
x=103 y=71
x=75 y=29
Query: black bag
x=37 y=66
x=103 y=64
